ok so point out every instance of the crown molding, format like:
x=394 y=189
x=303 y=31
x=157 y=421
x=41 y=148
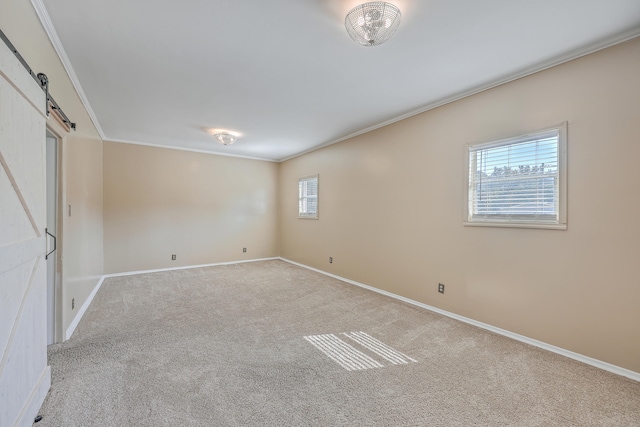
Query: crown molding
x=193 y=150
x=43 y=15
x=45 y=20
x=558 y=60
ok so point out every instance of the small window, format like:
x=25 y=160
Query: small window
x=308 y=197
x=519 y=182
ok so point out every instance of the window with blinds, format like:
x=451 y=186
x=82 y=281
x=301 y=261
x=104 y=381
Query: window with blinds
x=519 y=182
x=308 y=197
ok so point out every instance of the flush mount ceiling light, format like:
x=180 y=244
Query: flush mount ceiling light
x=371 y=24
x=225 y=138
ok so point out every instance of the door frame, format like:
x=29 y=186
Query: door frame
x=58 y=333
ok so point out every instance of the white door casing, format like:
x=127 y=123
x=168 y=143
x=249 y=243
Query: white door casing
x=52 y=219
x=24 y=375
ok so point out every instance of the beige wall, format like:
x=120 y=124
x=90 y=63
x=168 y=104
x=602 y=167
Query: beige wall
x=391 y=206
x=203 y=208
x=82 y=247
x=81 y=242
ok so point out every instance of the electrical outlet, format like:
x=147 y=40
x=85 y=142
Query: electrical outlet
x=441 y=288
x=330 y=260
x=73 y=303
x=173 y=257
x=244 y=249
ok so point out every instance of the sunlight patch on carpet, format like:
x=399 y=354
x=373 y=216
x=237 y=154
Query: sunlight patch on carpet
x=379 y=348
x=352 y=359
x=342 y=353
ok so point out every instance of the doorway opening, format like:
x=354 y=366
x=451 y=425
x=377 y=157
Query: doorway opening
x=53 y=240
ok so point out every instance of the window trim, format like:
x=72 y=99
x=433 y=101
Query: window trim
x=306 y=178
x=561 y=223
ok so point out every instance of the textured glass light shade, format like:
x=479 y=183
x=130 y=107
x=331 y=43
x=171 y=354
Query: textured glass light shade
x=225 y=138
x=371 y=24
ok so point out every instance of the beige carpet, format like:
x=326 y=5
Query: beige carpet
x=272 y=344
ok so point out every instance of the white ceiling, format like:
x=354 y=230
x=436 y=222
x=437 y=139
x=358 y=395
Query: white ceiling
x=286 y=75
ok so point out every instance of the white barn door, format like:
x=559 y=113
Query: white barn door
x=24 y=375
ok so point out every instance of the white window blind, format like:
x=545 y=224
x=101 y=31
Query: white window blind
x=308 y=197
x=518 y=181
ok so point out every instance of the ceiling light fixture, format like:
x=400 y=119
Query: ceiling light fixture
x=225 y=138
x=371 y=24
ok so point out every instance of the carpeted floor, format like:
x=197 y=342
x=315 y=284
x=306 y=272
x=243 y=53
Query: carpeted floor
x=272 y=344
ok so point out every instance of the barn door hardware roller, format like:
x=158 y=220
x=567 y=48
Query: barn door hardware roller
x=52 y=105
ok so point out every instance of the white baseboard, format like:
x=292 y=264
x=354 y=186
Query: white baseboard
x=133 y=273
x=558 y=350
x=85 y=306
x=552 y=348
x=36 y=398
